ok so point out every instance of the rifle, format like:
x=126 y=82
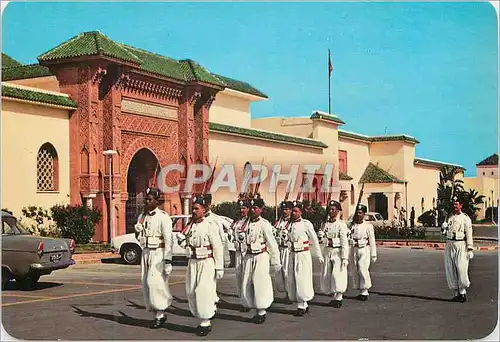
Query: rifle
x=326 y=213
x=254 y=195
x=281 y=214
x=357 y=204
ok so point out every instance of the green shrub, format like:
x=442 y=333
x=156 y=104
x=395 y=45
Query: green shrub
x=76 y=222
x=232 y=210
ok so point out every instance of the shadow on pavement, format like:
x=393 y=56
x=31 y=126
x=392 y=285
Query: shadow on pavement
x=408 y=296
x=127 y=320
x=41 y=285
x=116 y=260
x=135 y=305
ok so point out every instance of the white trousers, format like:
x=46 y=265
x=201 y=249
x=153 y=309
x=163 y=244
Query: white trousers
x=456 y=265
x=155 y=287
x=299 y=284
x=360 y=270
x=281 y=276
x=238 y=268
x=200 y=287
x=333 y=277
x=256 y=285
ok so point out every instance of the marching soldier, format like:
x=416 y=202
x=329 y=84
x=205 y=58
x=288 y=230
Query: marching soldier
x=205 y=264
x=261 y=252
x=336 y=254
x=224 y=227
x=363 y=252
x=300 y=270
x=458 y=250
x=240 y=245
x=281 y=234
x=154 y=232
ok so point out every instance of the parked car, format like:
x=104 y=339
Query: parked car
x=427 y=219
x=26 y=257
x=374 y=218
x=130 y=250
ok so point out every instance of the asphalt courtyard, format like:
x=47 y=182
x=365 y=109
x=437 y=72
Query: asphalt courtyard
x=409 y=300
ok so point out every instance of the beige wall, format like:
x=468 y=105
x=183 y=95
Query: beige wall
x=301 y=127
x=396 y=157
x=237 y=150
x=489 y=171
x=25 y=128
x=48 y=83
x=231 y=108
x=422 y=183
x=486 y=186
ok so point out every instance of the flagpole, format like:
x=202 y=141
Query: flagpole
x=329 y=81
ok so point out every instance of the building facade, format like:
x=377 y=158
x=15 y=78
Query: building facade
x=91 y=95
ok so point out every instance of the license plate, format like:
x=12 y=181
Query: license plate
x=56 y=257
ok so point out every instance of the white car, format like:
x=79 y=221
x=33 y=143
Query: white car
x=130 y=250
x=374 y=218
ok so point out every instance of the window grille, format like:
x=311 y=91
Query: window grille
x=46 y=168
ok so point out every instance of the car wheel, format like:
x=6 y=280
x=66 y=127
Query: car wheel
x=131 y=254
x=6 y=278
x=28 y=282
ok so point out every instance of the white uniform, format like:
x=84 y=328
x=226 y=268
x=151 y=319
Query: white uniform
x=456 y=259
x=363 y=249
x=261 y=251
x=300 y=270
x=156 y=241
x=281 y=233
x=224 y=226
x=335 y=249
x=205 y=257
x=238 y=267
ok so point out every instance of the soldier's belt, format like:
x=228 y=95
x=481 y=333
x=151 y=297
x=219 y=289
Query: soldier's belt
x=302 y=247
x=455 y=239
x=263 y=248
x=161 y=245
x=196 y=253
x=356 y=243
x=330 y=244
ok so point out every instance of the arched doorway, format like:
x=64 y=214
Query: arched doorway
x=140 y=175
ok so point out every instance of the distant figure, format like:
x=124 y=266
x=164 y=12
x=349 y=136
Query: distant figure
x=412 y=217
x=402 y=216
x=396 y=213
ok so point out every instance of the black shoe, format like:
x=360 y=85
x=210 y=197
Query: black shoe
x=259 y=319
x=287 y=300
x=456 y=298
x=203 y=331
x=158 y=322
x=362 y=297
x=461 y=298
x=336 y=303
x=301 y=312
x=244 y=309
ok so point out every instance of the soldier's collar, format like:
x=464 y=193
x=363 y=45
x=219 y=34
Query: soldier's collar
x=332 y=220
x=153 y=212
x=255 y=219
x=199 y=220
x=297 y=220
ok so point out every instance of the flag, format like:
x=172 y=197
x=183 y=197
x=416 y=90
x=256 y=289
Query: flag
x=330 y=66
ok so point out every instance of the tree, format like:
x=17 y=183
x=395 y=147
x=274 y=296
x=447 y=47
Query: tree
x=471 y=206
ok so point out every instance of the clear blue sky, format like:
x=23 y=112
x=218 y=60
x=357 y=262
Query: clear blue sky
x=425 y=69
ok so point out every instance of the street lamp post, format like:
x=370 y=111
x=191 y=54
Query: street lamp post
x=111 y=225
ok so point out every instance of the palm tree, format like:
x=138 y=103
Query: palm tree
x=447 y=188
x=471 y=207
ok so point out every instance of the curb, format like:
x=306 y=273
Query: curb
x=91 y=258
x=440 y=246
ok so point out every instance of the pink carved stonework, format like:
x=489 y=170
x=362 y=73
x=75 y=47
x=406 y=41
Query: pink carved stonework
x=177 y=134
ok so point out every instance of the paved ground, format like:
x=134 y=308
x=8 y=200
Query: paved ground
x=409 y=300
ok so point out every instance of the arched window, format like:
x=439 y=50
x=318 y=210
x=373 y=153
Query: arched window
x=47 y=168
x=352 y=195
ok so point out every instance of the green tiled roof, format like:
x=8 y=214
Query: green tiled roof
x=240 y=86
x=344 y=176
x=401 y=137
x=345 y=134
x=25 y=71
x=377 y=138
x=9 y=62
x=374 y=174
x=328 y=117
x=35 y=96
x=89 y=44
x=491 y=160
x=253 y=133
x=427 y=162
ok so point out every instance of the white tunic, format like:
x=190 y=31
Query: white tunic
x=281 y=233
x=223 y=226
x=236 y=228
x=156 y=241
x=363 y=249
x=335 y=249
x=205 y=252
x=261 y=250
x=456 y=261
x=300 y=271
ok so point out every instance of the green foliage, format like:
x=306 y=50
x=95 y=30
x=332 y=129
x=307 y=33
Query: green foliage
x=38 y=221
x=232 y=210
x=392 y=231
x=449 y=187
x=76 y=222
x=315 y=213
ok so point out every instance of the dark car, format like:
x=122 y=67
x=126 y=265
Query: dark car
x=26 y=257
x=427 y=219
